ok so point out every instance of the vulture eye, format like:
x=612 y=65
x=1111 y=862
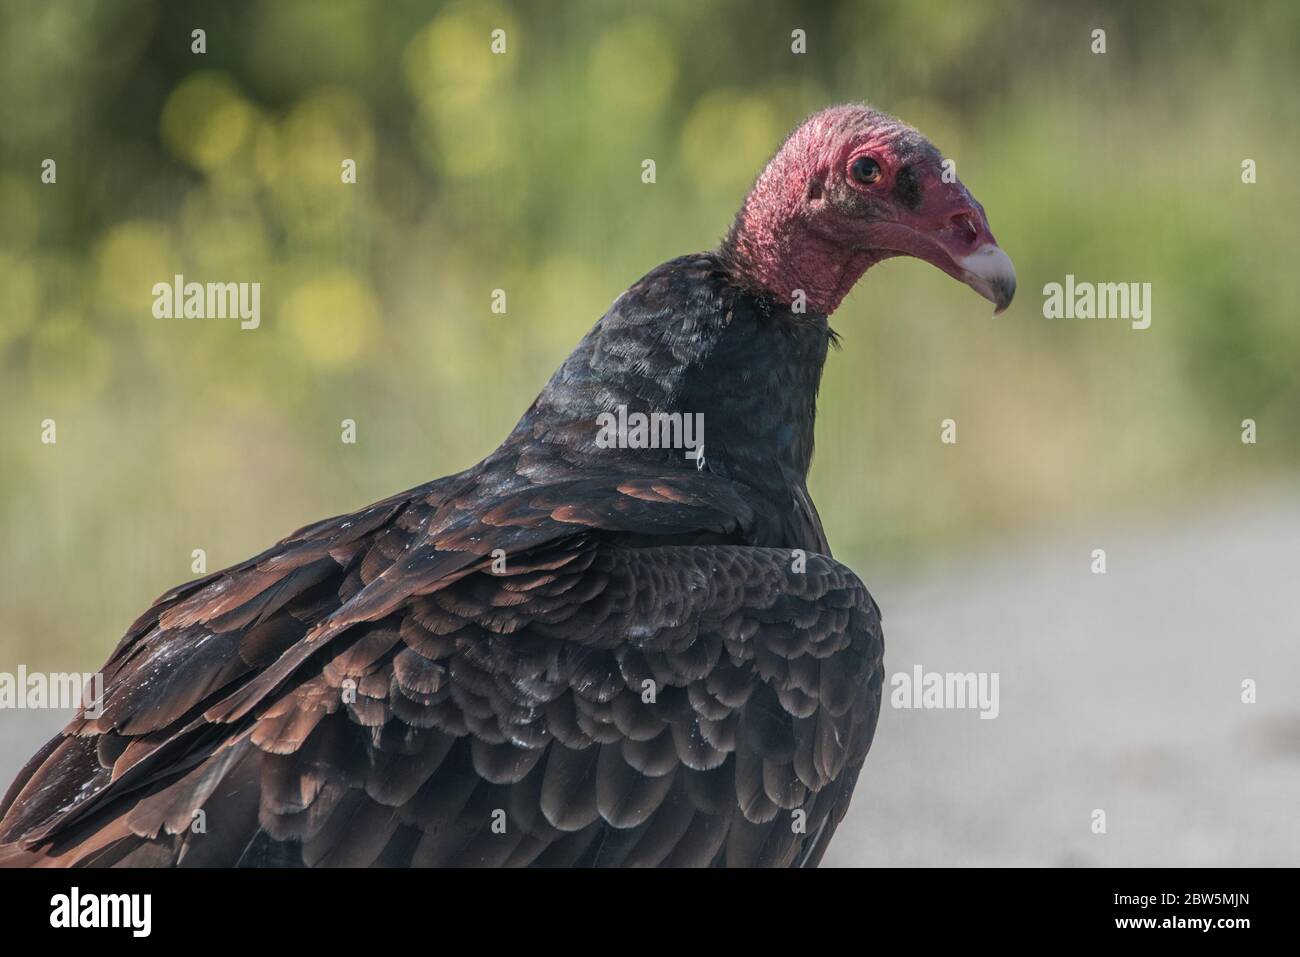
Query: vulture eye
x=865 y=170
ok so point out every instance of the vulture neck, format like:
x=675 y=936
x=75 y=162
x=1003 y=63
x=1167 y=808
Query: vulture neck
x=783 y=262
x=690 y=340
x=773 y=249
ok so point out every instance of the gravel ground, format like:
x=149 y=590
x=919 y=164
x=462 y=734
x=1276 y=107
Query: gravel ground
x=1119 y=692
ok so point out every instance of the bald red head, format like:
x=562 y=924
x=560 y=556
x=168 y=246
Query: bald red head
x=852 y=186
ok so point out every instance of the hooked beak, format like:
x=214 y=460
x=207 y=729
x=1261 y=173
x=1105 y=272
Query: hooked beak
x=989 y=272
x=973 y=255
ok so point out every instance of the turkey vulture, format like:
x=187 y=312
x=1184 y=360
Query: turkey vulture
x=578 y=651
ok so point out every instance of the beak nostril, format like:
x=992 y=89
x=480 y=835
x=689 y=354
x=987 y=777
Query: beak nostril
x=967 y=227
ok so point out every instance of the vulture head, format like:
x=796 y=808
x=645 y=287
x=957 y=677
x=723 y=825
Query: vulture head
x=852 y=186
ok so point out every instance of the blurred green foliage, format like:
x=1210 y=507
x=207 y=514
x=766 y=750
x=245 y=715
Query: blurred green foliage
x=522 y=171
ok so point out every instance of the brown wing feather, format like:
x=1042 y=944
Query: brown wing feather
x=502 y=720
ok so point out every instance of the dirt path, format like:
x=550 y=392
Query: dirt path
x=1119 y=692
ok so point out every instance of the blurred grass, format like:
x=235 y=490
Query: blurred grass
x=522 y=172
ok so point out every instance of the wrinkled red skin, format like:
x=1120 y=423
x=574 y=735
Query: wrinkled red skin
x=809 y=225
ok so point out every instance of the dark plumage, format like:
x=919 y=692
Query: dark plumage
x=377 y=689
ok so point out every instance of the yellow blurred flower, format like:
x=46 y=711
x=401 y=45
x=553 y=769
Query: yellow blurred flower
x=463 y=123
x=205 y=120
x=450 y=64
x=331 y=317
x=322 y=131
x=130 y=258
